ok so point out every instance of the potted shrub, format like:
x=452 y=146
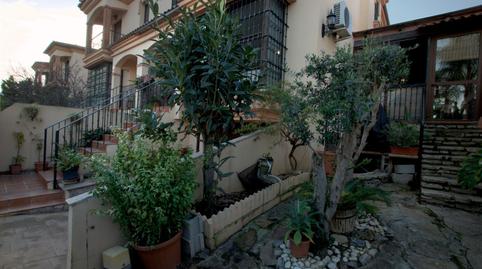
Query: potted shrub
x=301 y=222
x=147 y=188
x=39 y=164
x=354 y=199
x=404 y=138
x=16 y=166
x=68 y=163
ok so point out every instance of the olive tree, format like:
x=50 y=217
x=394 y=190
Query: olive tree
x=202 y=59
x=344 y=91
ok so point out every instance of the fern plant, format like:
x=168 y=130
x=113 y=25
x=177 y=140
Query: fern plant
x=358 y=194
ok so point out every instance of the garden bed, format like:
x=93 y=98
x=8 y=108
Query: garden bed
x=219 y=227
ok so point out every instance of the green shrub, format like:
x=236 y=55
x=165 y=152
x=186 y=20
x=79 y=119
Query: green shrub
x=403 y=135
x=68 y=158
x=93 y=135
x=147 y=188
x=471 y=172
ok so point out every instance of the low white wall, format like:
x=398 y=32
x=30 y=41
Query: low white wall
x=11 y=121
x=89 y=233
x=249 y=148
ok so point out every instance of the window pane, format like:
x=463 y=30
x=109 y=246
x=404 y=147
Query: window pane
x=457 y=102
x=457 y=58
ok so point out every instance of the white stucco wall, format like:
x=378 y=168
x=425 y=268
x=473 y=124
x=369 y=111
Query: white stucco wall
x=305 y=19
x=10 y=122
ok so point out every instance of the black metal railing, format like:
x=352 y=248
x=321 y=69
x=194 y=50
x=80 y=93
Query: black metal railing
x=405 y=103
x=49 y=132
x=116 y=113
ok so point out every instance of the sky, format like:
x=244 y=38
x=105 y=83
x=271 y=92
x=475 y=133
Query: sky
x=28 y=26
x=407 y=10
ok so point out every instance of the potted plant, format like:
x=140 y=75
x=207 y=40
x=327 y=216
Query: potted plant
x=301 y=222
x=147 y=188
x=39 y=164
x=16 y=166
x=68 y=163
x=354 y=199
x=404 y=138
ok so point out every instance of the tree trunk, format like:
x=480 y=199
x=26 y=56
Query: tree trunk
x=292 y=159
x=209 y=189
x=320 y=191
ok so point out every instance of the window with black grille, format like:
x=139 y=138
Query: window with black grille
x=263 y=26
x=98 y=82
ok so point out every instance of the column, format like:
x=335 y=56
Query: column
x=88 y=39
x=107 y=24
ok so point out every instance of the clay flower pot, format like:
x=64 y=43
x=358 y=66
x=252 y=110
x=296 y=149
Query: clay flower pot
x=15 y=169
x=166 y=255
x=39 y=166
x=409 y=151
x=301 y=250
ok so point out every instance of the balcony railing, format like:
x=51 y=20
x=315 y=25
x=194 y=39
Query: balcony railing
x=405 y=103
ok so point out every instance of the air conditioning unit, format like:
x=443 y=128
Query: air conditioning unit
x=343 y=20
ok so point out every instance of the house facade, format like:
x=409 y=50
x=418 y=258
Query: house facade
x=66 y=64
x=443 y=95
x=119 y=31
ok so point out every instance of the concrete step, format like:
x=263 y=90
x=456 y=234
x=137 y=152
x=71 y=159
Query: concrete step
x=21 y=202
x=102 y=145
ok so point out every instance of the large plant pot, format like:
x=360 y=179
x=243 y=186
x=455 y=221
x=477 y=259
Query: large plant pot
x=300 y=251
x=411 y=151
x=15 y=169
x=166 y=255
x=71 y=176
x=344 y=220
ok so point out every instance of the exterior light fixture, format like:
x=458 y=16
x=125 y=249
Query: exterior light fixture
x=330 y=24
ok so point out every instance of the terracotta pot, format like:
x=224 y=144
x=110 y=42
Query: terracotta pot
x=344 y=220
x=15 y=169
x=39 y=166
x=410 y=151
x=301 y=250
x=166 y=255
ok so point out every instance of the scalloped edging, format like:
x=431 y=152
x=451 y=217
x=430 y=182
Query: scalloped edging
x=219 y=227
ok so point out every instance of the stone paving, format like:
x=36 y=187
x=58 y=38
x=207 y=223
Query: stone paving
x=421 y=237
x=33 y=241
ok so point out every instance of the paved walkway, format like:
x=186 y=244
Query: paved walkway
x=33 y=241
x=428 y=237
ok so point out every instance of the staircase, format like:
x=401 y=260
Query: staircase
x=89 y=131
x=445 y=147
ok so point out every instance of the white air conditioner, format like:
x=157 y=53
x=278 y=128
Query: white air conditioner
x=343 y=20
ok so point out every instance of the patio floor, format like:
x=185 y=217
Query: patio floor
x=27 y=191
x=33 y=241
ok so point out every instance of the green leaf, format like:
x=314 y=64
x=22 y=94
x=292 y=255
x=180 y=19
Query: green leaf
x=297 y=237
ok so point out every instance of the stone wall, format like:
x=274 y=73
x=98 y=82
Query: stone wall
x=445 y=147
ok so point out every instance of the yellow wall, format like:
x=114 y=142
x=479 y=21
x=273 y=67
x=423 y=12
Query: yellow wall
x=10 y=122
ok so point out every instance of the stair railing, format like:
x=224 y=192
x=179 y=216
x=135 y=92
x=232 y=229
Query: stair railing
x=118 y=113
x=49 y=131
